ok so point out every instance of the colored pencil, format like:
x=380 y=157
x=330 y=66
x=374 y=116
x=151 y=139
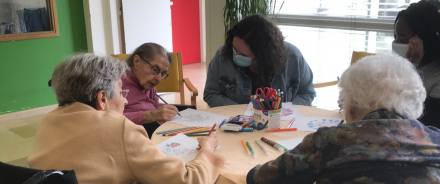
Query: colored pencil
x=285 y=149
x=282 y=130
x=215 y=124
x=279 y=103
x=198 y=135
x=180 y=131
x=196 y=130
x=171 y=130
x=250 y=148
x=261 y=146
x=203 y=131
x=291 y=122
x=248 y=122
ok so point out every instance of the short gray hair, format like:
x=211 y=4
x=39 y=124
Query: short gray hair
x=391 y=82
x=81 y=76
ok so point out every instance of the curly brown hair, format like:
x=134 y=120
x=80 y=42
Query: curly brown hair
x=266 y=42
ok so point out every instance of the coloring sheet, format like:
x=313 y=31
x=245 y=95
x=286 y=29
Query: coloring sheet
x=310 y=123
x=180 y=146
x=191 y=117
x=288 y=113
x=291 y=143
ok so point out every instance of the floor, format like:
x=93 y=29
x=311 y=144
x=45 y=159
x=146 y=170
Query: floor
x=17 y=137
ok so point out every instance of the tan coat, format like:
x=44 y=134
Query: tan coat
x=105 y=147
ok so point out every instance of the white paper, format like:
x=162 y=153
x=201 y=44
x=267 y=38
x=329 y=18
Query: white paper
x=310 y=123
x=180 y=146
x=288 y=113
x=191 y=117
x=290 y=143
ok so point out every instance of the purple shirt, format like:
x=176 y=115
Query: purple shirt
x=139 y=100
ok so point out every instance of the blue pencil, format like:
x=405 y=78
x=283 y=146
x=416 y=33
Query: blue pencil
x=221 y=124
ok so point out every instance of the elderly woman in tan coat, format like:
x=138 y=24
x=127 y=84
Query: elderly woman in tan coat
x=88 y=133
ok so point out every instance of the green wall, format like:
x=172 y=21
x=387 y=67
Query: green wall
x=27 y=65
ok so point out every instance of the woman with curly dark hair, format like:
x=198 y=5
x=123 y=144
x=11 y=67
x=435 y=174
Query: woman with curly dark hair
x=255 y=55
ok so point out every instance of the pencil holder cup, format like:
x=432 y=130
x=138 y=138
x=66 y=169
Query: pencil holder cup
x=272 y=117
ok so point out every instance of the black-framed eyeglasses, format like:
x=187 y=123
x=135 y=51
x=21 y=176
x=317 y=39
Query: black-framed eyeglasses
x=155 y=70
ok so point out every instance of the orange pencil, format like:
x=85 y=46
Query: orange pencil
x=281 y=130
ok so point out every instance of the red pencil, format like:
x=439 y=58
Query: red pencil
x=212 y=129
x=291 y=122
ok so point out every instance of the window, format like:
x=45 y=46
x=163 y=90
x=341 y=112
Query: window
x=328 y=31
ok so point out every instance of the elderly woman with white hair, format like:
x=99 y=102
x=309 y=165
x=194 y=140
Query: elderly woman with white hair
x=382 y=142
x=87 y=133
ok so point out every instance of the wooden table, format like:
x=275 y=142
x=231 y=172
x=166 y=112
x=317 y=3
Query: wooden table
x=238 y=162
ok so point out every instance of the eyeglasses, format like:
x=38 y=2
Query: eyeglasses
x=124 y=93
x=155 y=70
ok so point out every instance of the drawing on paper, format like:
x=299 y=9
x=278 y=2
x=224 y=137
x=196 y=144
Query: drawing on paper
x=169 y=151
x=286 y=112
x=173 y=144
x=194 y=118
x=315 y=124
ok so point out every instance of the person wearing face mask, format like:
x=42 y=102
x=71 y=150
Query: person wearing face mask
x=417 y=38
x=254 y=56
x=149 y=65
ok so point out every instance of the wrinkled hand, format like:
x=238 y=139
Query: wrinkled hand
x=209 y=142
x=161 y=114
x=415 y=50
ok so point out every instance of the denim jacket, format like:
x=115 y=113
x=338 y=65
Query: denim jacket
x=228 y=84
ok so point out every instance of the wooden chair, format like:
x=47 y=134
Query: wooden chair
x=174 y=82
x=354 y=58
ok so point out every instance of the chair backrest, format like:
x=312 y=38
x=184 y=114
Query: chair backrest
x=359 y=55
x=174 y=82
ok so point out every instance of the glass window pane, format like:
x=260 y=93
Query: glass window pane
x=383 y=9
x=23 y=16
x=328 y=53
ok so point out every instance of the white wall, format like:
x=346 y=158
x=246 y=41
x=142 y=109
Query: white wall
x=215 y=36
x=147 y=21
x=102 y=26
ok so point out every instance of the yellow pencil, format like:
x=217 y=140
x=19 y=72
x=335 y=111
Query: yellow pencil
x=245 y=147
x=196 y=130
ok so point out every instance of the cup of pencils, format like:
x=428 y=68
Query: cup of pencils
x=267 y=107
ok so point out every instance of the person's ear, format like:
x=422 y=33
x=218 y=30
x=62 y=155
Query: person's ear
x=136 y=61
x=101 y=101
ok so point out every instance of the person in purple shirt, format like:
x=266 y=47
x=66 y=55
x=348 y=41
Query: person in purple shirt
x=149 y=65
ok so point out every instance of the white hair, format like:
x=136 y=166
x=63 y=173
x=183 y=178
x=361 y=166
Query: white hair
x=383 y=81
x=82 y=76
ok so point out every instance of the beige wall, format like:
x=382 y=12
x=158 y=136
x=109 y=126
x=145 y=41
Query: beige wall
x=215 y=36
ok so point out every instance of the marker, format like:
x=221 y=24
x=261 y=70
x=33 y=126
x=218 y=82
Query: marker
x=271 y=144
x=261 y=146
x=245 y=147
x=291 y=122
x=282 y=130
x=224 y=121
x=250 y=148
x=285 y=149
x=212 y=129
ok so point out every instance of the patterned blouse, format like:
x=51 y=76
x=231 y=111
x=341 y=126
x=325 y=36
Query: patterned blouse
x=382 y=148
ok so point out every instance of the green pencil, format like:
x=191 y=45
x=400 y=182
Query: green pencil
x=285 y=149
x=250 y=148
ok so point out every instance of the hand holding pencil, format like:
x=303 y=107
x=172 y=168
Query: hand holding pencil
x=209 y=142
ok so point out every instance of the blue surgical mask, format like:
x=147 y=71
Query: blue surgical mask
x=400 y=48
x=241 y=60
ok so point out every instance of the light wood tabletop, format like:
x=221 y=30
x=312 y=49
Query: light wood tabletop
x=238 y=162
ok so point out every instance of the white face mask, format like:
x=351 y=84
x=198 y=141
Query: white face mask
x=400 y=48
